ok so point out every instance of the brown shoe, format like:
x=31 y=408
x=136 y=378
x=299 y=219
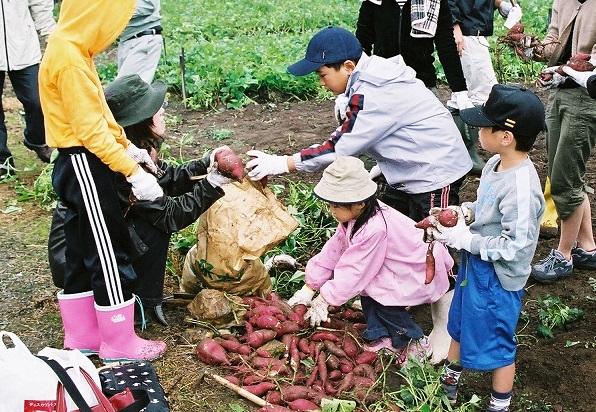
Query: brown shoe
x=43 y=151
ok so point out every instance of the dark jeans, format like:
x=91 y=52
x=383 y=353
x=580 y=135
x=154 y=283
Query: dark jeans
x=392 y=321
x=25 y=86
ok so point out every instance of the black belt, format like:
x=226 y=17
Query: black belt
x=152 y=31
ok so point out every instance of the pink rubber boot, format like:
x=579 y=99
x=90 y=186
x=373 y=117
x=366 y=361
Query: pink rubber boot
x=80 y=324
x=119 y=341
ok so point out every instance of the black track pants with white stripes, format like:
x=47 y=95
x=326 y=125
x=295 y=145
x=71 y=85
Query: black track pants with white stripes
x=97 y=238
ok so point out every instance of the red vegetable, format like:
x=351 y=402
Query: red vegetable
x=303 y=405
x=260 y=337
x=259 y=389
x=446 y=217
x=430 y=264
x=229 y=164
x=366 y=357
x=211 y=352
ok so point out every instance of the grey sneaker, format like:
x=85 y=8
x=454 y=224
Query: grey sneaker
x=449 y=386
x=583 y=259
x=493 y=409
x=552 y=267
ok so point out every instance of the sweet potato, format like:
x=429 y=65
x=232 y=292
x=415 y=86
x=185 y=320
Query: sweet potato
x=446 y=217
x=366 y=357
x=303 y=405
x=229 y=164
x=332 y=362
x=365 y=370
x=273 y=397
x=233 y=379
x=321 y=336
x=345 y=365
x=211 y=352
x=273 y=408
x=287 y=327
x=430 y=264
x=352 y=315
x=260 y=337
x=334 y=349
x=292 y=392
x=300 y=309
x=272 y=366
x=252 y=379
x=259 y=389
x=350 y=346
x=304 y=347
x=580 y=65
x=346 y=383
x=266 y=322
x=335 y=375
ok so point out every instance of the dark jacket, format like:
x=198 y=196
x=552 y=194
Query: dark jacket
x=475 y=17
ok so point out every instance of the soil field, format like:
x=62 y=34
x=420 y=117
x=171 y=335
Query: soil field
x=552 y=374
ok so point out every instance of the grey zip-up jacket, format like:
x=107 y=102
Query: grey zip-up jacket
x=396 y=120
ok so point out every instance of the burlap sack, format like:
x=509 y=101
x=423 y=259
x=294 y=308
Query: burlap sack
x=231 y=237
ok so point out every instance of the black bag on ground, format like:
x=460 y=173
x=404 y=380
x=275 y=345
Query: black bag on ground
x=135 y=375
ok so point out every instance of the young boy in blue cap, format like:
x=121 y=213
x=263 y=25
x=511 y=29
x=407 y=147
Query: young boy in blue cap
x=497 y=246
x=396 y=120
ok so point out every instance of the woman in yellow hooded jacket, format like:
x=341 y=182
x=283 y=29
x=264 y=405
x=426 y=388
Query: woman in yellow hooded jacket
x=96 y=305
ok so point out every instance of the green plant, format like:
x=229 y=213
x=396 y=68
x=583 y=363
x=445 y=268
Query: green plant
x=528 y=405
x=286 y=282
x=554 y=313
x=421 y=391
x=42 y=191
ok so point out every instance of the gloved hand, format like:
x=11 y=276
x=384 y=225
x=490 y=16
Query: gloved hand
x=141 y=157
x=341 y=107
x=549 y=78
x=514 y=15
x=460 y=100
x=265 y=164
x=458 y=236
x=302 y=296
x=317 y=312
x=504 y=8
x=216 y=179
x=580 y=78
x=375 y=172
x=145 y=186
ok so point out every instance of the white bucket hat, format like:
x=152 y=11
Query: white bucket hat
x=345 y=181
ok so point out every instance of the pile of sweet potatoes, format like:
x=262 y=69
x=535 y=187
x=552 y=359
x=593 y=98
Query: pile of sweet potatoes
x=288 y=363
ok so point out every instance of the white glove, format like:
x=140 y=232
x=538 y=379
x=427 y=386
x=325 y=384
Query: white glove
x=580 y=78
x=317 y=312
x=458 y=236
x=145 y=186
x=555 y=79
x=505 y=8
x=216 y=179
x=141 y=156
x=375 y=172
x=302 y=296
x=460 y=100
x=513 y=16
x=265 y=164
x=341 y=107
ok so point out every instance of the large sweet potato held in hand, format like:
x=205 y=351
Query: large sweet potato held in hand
x=229 y=164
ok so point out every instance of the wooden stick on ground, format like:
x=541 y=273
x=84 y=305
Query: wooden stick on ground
x=242 y=392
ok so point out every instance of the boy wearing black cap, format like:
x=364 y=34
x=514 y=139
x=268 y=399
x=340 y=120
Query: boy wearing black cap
x=395 y=119
x=497 y=246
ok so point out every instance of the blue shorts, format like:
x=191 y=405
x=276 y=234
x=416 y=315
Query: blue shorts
x=483 y=316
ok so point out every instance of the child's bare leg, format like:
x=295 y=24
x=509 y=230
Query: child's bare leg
x=585 y=237
x=500 y=395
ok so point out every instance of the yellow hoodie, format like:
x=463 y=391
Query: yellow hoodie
x=72 y=98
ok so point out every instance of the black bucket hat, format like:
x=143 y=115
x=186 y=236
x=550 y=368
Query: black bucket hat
x=133 y=100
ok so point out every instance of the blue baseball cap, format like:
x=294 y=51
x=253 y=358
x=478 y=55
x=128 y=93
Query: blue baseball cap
x=509 y=107
x=328 y=46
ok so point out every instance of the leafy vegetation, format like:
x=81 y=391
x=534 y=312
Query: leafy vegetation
x=553 y=313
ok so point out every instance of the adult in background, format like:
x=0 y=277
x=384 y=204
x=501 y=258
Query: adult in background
x=570 y=139
x=20 y=54
x=141 y=42
x=390 y=27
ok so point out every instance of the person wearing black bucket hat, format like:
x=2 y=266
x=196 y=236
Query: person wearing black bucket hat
x=498 y=245
x=373 y=246
x=139 y=108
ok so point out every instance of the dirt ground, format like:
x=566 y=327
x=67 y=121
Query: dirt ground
x=552 y=374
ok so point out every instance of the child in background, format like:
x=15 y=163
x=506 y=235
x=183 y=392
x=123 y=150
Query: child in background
x=497 y=246
x=376 y=253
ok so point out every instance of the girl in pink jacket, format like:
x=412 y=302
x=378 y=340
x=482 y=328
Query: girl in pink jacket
x=376 y=253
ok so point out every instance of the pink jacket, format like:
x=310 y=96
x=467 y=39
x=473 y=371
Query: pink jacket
x=386 y=260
